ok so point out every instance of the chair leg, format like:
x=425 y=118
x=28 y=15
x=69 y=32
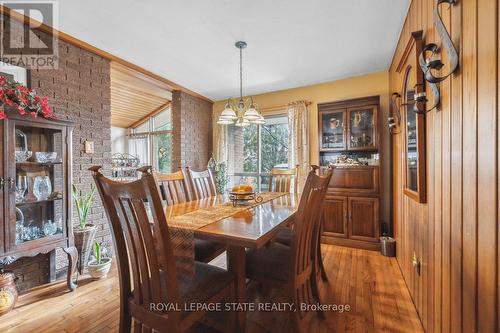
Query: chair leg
x=322 y=270
x=231 y=316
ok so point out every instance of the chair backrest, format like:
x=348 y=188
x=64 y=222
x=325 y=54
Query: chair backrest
x=280 y=180
x=305 y=239
x=145 y=256
x=174 y=187
x=202 y=183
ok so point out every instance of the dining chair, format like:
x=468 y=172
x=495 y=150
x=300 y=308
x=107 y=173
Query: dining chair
x=202 y=183
x=175 y=190
x=280 y=180
x=285 y=237
x=293 y=267
x=147 y=272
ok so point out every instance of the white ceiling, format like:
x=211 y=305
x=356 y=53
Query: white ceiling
x=291 y=43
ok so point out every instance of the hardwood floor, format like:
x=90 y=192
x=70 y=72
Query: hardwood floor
x=369 y=283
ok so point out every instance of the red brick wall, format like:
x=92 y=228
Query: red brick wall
x=192 y=131
x=78 y=90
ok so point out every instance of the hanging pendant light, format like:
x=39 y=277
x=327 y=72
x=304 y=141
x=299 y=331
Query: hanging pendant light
x=243 y=111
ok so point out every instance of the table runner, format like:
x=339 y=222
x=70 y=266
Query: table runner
x=182 y=228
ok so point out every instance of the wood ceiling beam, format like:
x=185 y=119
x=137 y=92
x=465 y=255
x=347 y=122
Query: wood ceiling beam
x=152 y=114
x=88 y=47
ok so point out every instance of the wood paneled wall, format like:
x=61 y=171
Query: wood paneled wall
x=456 y=232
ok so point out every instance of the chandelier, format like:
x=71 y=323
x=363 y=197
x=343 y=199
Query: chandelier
x=240 y=112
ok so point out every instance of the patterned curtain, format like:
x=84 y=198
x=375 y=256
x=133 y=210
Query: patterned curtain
x=219 y=134
x=298 y=152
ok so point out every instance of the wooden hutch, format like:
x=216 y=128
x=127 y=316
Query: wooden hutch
x=35 y=183
x=351 y=213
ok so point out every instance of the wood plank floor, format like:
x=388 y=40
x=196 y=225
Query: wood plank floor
x=371 y=284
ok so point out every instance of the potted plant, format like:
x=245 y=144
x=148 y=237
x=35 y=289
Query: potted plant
x=219 y=170
x=99 y=266
x=84 y=233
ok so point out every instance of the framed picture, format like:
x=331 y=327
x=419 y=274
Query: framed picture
x=15 y=73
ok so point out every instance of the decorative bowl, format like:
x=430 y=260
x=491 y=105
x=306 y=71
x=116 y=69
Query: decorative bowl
x=238 y=197
x=45 y=157
x=22 y=155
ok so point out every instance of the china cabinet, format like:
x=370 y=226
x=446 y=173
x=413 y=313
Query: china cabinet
x=349 y=133
x=35 y=190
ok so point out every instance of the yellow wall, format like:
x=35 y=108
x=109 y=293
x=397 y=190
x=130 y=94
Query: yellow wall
x=360 y=86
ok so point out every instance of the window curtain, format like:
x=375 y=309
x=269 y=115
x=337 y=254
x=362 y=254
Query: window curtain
x=219 y=135
x=298 y=152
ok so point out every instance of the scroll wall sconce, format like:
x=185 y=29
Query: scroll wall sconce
x=395 y=121
x=433 y=62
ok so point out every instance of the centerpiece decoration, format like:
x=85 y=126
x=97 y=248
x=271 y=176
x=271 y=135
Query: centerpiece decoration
x=22 y=99
x=243 y=111
x=243 y=193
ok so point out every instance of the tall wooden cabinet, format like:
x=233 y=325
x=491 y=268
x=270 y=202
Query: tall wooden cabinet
x=351 y=213
x=35 y=183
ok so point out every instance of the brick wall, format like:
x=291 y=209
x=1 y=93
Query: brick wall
x=192 y=131
x=79 y=90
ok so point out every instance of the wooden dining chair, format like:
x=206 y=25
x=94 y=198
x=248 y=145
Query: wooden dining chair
x=285 y=237
x=146 y=267
x=280 y=180
x=202 y=183
x=175 y=190
x=293 y=268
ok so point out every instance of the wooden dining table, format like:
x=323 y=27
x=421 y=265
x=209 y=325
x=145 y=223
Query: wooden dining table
x=250 y=228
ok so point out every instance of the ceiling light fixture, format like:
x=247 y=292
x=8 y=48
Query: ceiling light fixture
x=241 y=112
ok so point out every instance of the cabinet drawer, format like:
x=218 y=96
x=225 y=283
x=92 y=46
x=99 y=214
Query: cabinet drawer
x=355 y=180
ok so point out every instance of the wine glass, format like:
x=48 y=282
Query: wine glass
x=21 y=187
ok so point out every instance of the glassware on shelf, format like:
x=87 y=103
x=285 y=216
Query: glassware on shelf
x=45 y=157
x=19 y=225
x=21 y=187
x=49 y=228
x=42 y=187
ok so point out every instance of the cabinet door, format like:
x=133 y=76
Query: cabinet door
x=36 y=166
x=335 y=216
x=332 y=130
x=364 y=219
x=362 y=133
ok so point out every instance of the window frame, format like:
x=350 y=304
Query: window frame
x=150 y=134
x=259 y=174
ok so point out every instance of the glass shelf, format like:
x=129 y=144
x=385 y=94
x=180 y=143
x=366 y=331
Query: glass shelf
x=21 y=164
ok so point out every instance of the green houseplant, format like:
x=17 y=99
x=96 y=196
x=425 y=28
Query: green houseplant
x=99 y=267
x=84 y=232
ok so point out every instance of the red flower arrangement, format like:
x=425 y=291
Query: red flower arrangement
x=22 y=99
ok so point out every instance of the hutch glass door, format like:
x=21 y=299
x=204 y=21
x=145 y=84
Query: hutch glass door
x=38 y=184
x=333 y=130
x=362 y=132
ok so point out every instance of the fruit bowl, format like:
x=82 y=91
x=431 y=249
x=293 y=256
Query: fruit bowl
x=243 y=193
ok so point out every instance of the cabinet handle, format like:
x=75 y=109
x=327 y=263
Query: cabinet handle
x=2 y=183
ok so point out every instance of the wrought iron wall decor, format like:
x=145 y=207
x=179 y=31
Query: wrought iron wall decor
x=433 y=62
x=394 y=122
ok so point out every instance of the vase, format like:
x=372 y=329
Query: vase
x=99 y=271
x=42 y=187
x=8 y=292
x=84 y=238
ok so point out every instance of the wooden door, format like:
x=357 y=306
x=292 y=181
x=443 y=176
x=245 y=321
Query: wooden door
x=335 y=216
x=363 y=221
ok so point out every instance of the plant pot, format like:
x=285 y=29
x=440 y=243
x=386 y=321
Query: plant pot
x=99 y=271
x=84 y=238
x=8 y=292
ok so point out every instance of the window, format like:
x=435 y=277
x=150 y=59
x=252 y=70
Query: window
x=256 y=149
x=152 y=142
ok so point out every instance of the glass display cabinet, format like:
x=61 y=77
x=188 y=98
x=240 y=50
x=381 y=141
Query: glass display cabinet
x=362 y=130
x=35 y=185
